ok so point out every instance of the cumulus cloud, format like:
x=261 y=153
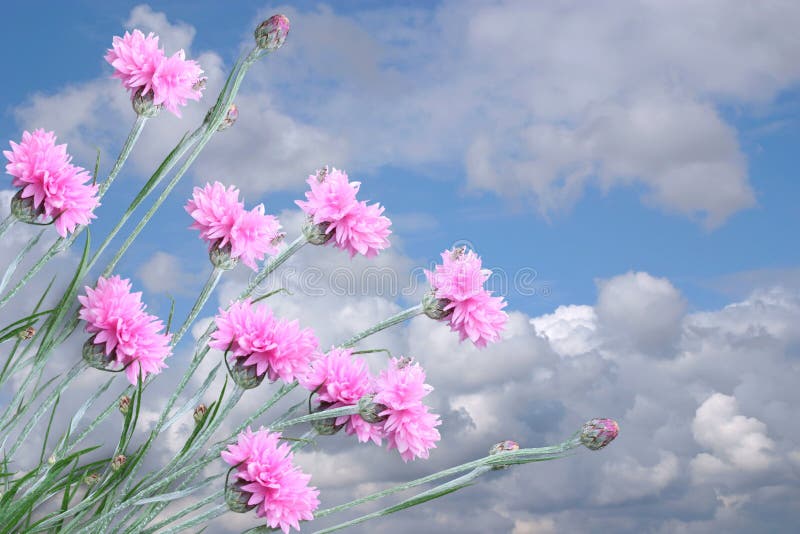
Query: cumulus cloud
x=738 y=443
x=568 y=96
x=640 y=311
x=164 y=273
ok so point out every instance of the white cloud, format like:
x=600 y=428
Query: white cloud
x=738 y=443
x=570 y=330
x=640 y=311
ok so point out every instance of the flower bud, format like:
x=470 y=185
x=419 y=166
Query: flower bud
x=91 y=479
x=325 y=427
x=598 y=433
x=369 y=411
x=27 y=333
x=200 y=413
x=315 y=233
x=434 y=307
x=236 y=498
x=271 y=33
x=245 y=376
x=23 y=208
x=118 y=462
x=124 y=404
x=230 y=118
x=95 y=355
x=52 y=459
x=221 y=257
x=143 y=105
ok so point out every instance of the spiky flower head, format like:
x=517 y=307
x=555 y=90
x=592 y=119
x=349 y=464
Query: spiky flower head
x=355 y=226
x=50 y=185
x=232 y=233
x=122 y=329
x=153 y=79
x=470 y=309
x=409 y=426
x=264 y=470
x=254 y=336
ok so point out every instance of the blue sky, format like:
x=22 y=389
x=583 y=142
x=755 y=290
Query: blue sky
x=640 y=159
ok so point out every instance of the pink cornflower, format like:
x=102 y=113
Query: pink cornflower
x=277 y=488
x=135 y=59
x=253 y=235
x=175 y=82
x=277 y=347
x=118 y=319
x=58 y=189
x=409 y=426
x=339 y=379
x=355 y=226
x=144 y=68
x=473 y=312
x=223 y=222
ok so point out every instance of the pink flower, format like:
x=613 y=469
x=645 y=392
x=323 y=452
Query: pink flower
x=223 y=222
x=338 y=377
x=143 y=67
x=476 y=314
x=118 y=319
x=215 y=210
x=275 y=346
x=175 y=82
x=135 y=59
x=58 y=189
x=278 y=488
x=355 y=226
x=409 y=426
x=253 y=235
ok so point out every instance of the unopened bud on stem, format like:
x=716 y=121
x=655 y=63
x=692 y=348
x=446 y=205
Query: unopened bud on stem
x=124 y=404
x=598 y=433
x=271 y=33
x=200 y=413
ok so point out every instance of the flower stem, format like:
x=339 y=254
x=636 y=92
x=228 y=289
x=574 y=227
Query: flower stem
x=211 y=283
x=391 y=321
x=133 y=136
x=7 y=223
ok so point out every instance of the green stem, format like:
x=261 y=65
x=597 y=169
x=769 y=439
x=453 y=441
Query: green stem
x=273 y=264
x=213 y=279
x=391 y=321
x=7 y=223
x=133 y=136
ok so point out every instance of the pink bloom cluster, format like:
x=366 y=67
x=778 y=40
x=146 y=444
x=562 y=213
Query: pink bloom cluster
x=356 y=227
x=278 y=488
x=144 y=67
x=118 y=319
x=223 y=222
x=275 y=346
x=459 y=280
x=339 y=379
x=44 y=172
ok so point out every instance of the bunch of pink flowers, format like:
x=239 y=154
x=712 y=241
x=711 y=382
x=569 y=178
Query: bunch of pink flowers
x=398 y=413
